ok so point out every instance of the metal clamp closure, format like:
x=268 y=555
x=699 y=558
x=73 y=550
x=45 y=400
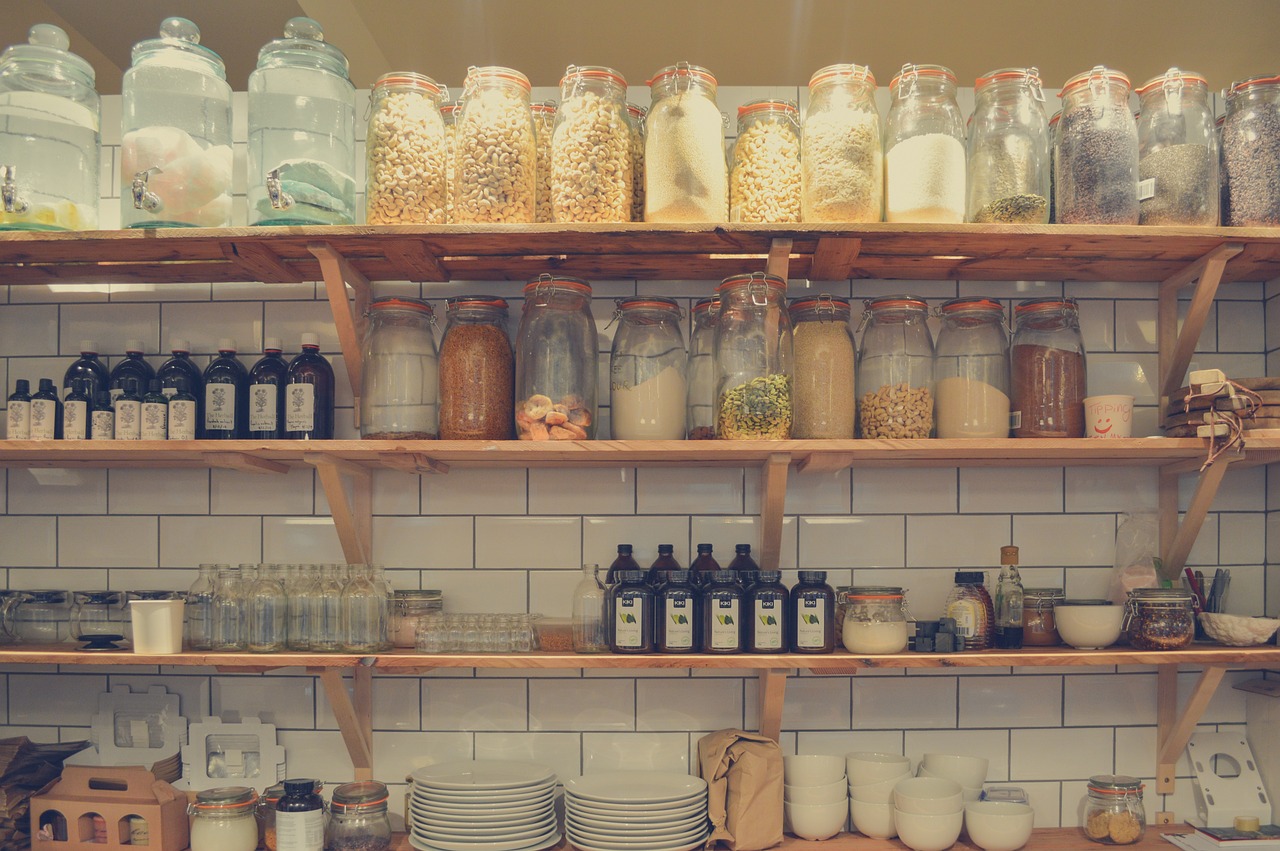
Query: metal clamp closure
x=280 y=200
x=13 y=202
x=143 y=198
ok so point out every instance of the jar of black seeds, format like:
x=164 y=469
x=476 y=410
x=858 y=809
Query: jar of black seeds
x=1251 y=153
x=1096 y=155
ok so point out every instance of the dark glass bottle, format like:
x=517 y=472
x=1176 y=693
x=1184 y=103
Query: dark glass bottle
x=19 y=413
x=128 y=407
x=811 y=614
x=133 y=366
x=624 y=561
x=77 y=409
x=722 y=613
x=767 y=603
x=46 y=412
x=742 y=561
x=184 y=411
x=703 y=565
x=181 y=366
x=267 y=379
x=677 y=622
x=226 y=395
x=309 y=395
x=631 y=614
x=664 y=563
x=155 y=412
x=300 y=817
x=89 y=368
x=103 y=419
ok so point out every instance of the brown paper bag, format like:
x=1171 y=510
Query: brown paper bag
x=744 y=778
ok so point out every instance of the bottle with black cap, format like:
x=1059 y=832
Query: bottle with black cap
x=89 y=368
x=155 y=412
x=46 y=412
x=704 y=565
x=300 y=817
x=811 y=614
x=103 y=419
x=226 y=395
x=631 y=613
x=181 y=366
x=722 y=613
x=676 y=622
x=19 y=412
x=624 y=561
x=128 y=407
x=184 y=410
x=744 y=565
x=767 y=622
x=662 y=565
x=76 y=411
x=133 y=365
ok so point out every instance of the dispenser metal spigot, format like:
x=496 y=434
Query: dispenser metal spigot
x=13 y=202
x=143 y=198
x=280 y=200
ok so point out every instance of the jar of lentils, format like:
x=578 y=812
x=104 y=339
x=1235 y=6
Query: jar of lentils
x=477 y=370
x=636 y=126
x=753 y=358
x=700 y=406
x=1096 y=159
x=764 y=180
x=686 y=176
x=1177 y=151
x=1160 y=618
x=495 y=167
x=842 y=154
x=1113 y=813
x=406 y=152
x=824 y=363
x=895 y=369
x=1039 y=626
x=1251 y=152
x=591 y=148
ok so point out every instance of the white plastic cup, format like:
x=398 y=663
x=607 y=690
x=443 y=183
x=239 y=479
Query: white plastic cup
x=1108 y=416
x=157 y=626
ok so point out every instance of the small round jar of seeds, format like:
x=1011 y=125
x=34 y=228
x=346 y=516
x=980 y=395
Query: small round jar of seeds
x=895 y=369
x=406 y=152
x=544 y=122
x=591 y=148
x=764 y=179
x=1160 y=618
x=495 y=177
x=753 y=359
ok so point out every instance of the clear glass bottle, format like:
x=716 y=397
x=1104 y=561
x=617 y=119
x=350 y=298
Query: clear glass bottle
x=590 y=600
x=971 y=370
x=842 y=150
x=1160 y=618
x=924 y=156
x=1008 y=603
x=636 y=116
x=686 y=177
x=230 y=624
x=358 y=819
x=1008 y=149
x=477 y=370
x=969 y=604
x=764 y=175
x=495 y=177
x=326 y=614
x=1177 y=151
x=50 y=141
x=591 y=148
x=631 y=608
x=722 y=613
x=378 y=576
x=1113 y=812
x=1047 y=361
x=267 y=607
x=1250 y=153
x=406 y=168
x=647 y=384
x=875 y=620
x=302 y=150
x=700 y=407
x=1096 y=156
x=895 y=369
x=175 y=151
x=364 y=612
x=222 y=819
x=753 y=359
x=544 y=123
x=302 y=593
x=811 y=613
x=401 y=371
x=824 y=403
x=556 y=361
x=677 y=620
x=200 y=608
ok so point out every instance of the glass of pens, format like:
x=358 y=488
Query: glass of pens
x=1210 y=594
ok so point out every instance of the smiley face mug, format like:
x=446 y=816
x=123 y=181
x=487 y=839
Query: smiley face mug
x=1108 y=416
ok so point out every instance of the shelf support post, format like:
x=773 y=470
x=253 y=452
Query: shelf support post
x=354 y=720
x=1176 y=539
x=779 y=261
x=348 y=313
x=772 y=694
x=1177 y=348
x=1174 y=730
x=352 y=514
x=773 y=498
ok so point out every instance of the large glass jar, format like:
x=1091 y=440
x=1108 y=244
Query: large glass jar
x=842 y=154
x=1096 y=156
x=636 y=127
x=753 y=357
x=1049 y=380
x=449 y=113
x=875 y=620
x=49 y=135
x=686 y=178
x=924 y=157
x=1177 y=151
x=1009 y=149
x=175 y=146
x=556 y=361
x=9 y=599
x=98 y=616
x=971 y=370
x=1251 y=153
x=1113 y=812
x=1053 y=159
x=400 y=399
x=358 y=819
x=42 y=617
x=223 y=819
x=647 y=382
x=302 y=149
x=764 y=179
x=407 y=171
x=591 y=148
x=895 y=369
x=1039 y=624
x=824 y=403
x=477 y=370
x=700 y=414
x=408 y=610
x=1160 y=618
x=544 y=124
x=495 y=168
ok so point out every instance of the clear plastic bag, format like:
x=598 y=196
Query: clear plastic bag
x=1137 y=564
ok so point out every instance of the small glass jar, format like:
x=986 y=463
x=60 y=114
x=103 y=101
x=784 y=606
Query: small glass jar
x=591 y=148
x=1177 y=151
x=408 y=609
x=1049 y=378
x=556 y=361
x=753 y=358
x=407 y=170
x=358 y=819
x=924 y=156
x=42 y=617
x=875 y=620
x=1009 y=149
x=1251 y=153
x=495 y=170
x=686 y=176
x=544 y=123
x=400 y=399
x=449 y=115
x=636 y=127
x=1160 y=618
x=764 y=178
x=98 y=616
x=895 y=369
x=647 y=384
x=266 y=816
x=824 y=401
x=1039 y=626
x=700 y=413
x=477 y=370
x=222 y=819
x=1113 y=813
x=971 y=370
x=1096 y=155
x=842 y=152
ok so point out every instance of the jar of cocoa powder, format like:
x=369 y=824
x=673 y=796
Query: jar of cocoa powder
x=1048 y=377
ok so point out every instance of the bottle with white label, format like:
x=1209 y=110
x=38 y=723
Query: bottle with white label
x=155 y=412
x=184 y=411
x=88 y=367
x=631 y=614
x=128 y=407
x=811 y=613
x=181 y=366
x=267 y=379
x=102 y=422
x=226 y=395
x=300 y=817
x=722 y=613
x=76 y=411
x=677 y=622
x=19 y=412
x=46 y=412
x=133 y=366
x=767 y=603
x=309 y=395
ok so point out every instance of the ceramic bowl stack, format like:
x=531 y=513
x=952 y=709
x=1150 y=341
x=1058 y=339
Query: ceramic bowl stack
x=815 y=799
x=483 y=805
x=969 y=771
x=636 y=811
x=928 y=812
x=872 y=777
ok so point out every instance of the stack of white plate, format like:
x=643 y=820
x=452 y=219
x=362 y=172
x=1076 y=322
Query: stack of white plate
x=636 y=811
x=483 y=805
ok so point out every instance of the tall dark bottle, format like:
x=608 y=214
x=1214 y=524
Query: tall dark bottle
x=46 y=412
x=133 y=366
x=662 y=565
x=89 y=368
x=624 y=561
x=226 y=395
x=309 y=394
x=267 y=380
x=181 y=366
x=743 y=562
x=703 y=566
x=19 y=413
x=77 y=407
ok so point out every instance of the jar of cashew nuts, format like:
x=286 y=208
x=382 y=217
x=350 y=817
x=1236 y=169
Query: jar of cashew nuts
x=591 y=148
x=495 y=178
x=407 y=172
x=635 y=125
x=895 y=369
x=544 y=123
x=556 y=361
x=449 y=115
x=764 y=179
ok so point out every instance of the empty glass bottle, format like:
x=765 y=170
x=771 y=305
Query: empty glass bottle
x=229 y=622
x=302 y=592
x=200 y=608
x=268 y=609
x=589 y=599
x=326 y=610
x=364 y=612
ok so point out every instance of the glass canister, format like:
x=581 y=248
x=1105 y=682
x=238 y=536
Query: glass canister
x=302 y=130
x=764 y=178
x=686 y=178
x=495 y=170
x=647 y=383
x=824 y=403
x=1160 y=618
x=971 y=370
x=875 y=620
x=924 y=156
x=1048 y=379
x=591 y=148
x=449 y=115
x=1053 y=155
x=407 y=171
x=358 y=819
x=98 y=617
x=842 y=152
x=49 y=135
x=9 y=599
x=477 y=370
x=1096 y=155
x=895 y=369
x=1251 y=152
x=400 y=398
x=1039 y=625
x=223 y=819
x=408 y=610
x=175 y=147
x=636 y=127
x=42 y=617
x=753 y=359
x=556 y=361
x=544 y=123
x=700 y=414
x=1113 y=812
x=1177 y=151
x=1009 y=149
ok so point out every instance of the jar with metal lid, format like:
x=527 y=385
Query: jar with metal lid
x=1009 y=149
x=1251 y=152
x=407 y=171
x=764 y=178
x=400 y=398
x=1049 y=379
x=686 y=177
x=1096 y=156
x=1039 y=626
x=1177 y=151
x=647 y=382
x=302 y=131
x=924 y=156
x=700 y=413
x=9 y=599
x=175 y=146
x=875 y=620
x=556 y=361
x=824 y=402
x=407 y=611
x=544 y=123
x=591 y=148
x=753 y=358
x=842 y=152
x=98 y=617
x=477 y=370
x=222 y=819
x=1160 y=618
x=42 y=617
x=971 y=369
x=635 y=127
x=1113 y=813
x=49 y=135
x=449 y=115
x=358 y=819
x=495 y=170
x=895 y=369
x=842 y=608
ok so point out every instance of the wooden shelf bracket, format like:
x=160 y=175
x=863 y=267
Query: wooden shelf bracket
x=1173 y=730
x=352 y=511
x=772 y=696
x=1177 y=348
x=773 y=500
x=348 y=312
x=354 y=713
x=1177 y=538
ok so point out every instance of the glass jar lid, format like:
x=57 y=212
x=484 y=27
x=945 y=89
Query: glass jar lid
x=683 y=69
x=1083 y=602
x=1173 y=78
x=1242 y=86
x=822 y=306
x=410 y=80
x=843 y=72
x=1042 y=598
x=426 y=594
x=395 y=302
x=982 y=303
x=1140 y=596
x=1098 y=75
x=911 y=74
x=1115 y=784
x=644 y=303
x=272 y=794
x=707 y=304
x=873 y=592
x=891 y=303
x=365 y=796
x=97 y=598
x=179 y=44
x=785 y=108
x=594 y=72
x=456 y=303
x=44 y=63
x=1045 y=305
x=549 y=285
x=225 y=800
x=47 y=596
x=303 y=46
x=770 y=282
x=1028 y=76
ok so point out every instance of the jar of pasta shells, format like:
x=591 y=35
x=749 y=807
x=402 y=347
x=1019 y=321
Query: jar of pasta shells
x=636 y=116
x=895 y=369
x=544 y=123
x=556 y=361
x=1113 y=813
x=764 y=179
x=406 y=153
x=495 y=176
x=591 y=148
x=842 y=159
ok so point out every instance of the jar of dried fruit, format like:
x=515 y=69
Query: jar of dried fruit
x=842 y=155
x=556 y=361
x=495 y=149
x=401 y=371
x=700 y=413
x=1160 y=618
x=477 y=370
x=407 y=165
x=591 y=148
x=895 y=369
x=764 y=179
x=824 y=364
x=753 y=354
x=1113 y=813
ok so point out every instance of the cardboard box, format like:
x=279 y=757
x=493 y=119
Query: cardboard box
x=117 y=797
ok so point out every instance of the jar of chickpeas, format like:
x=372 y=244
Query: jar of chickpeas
x=591 y=148
x=764 y=179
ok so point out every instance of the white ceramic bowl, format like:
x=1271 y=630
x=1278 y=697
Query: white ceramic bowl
x=867 y=767
x=1088 y=627
x=965 y=770
x=998 y=825
x=812 y=770
x=921 y=832
x=970 y=793
x=1238 y=630
x=873 y=820
x=880 y=792
x=827 y=793
x=816 y=821
x=928 y=796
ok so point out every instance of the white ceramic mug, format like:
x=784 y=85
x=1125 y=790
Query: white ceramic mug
x=157 y=626
x=1108 y=416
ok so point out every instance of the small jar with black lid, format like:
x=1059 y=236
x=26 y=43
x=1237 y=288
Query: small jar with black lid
x=676 y=622
x=811 y=614
x=768 y=625
x=631 y=606
x=722 y=606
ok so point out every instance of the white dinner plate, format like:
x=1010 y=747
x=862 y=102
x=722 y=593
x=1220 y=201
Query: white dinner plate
x=638 y=820
x=624 y=811
x=488 y=835
x=586 y=845
x=482 y=825
x=517 y=845
x=486 y=798
x=636 y=787
x=677 y=837
x=474 y=811
x=443 y=817
x=620 y=827
x=491 y=774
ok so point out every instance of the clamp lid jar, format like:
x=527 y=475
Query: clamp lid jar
x=647 y=381
x=875 y=620
x=223 y=819
x=556 y=361
x=824 y=368
x=401 y=371
x=1114 y=814
x=895 y=368
x=971 y=369
x=1039 y=626
x=358 y=818
x=700 y=416
x=1160 y=618
x=753 y=358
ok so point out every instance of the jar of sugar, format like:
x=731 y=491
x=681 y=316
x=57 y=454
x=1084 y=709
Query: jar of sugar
x=924 y=147
x=686 y=175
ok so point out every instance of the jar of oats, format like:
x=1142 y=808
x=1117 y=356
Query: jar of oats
x=495 y=176
x=544 y=122
x=591 y=148
x=764 y=179
x=636 y=125
x=407 y=173
x=686 y=177
x=895 y=369
x=449 y=115
x=842 y=160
